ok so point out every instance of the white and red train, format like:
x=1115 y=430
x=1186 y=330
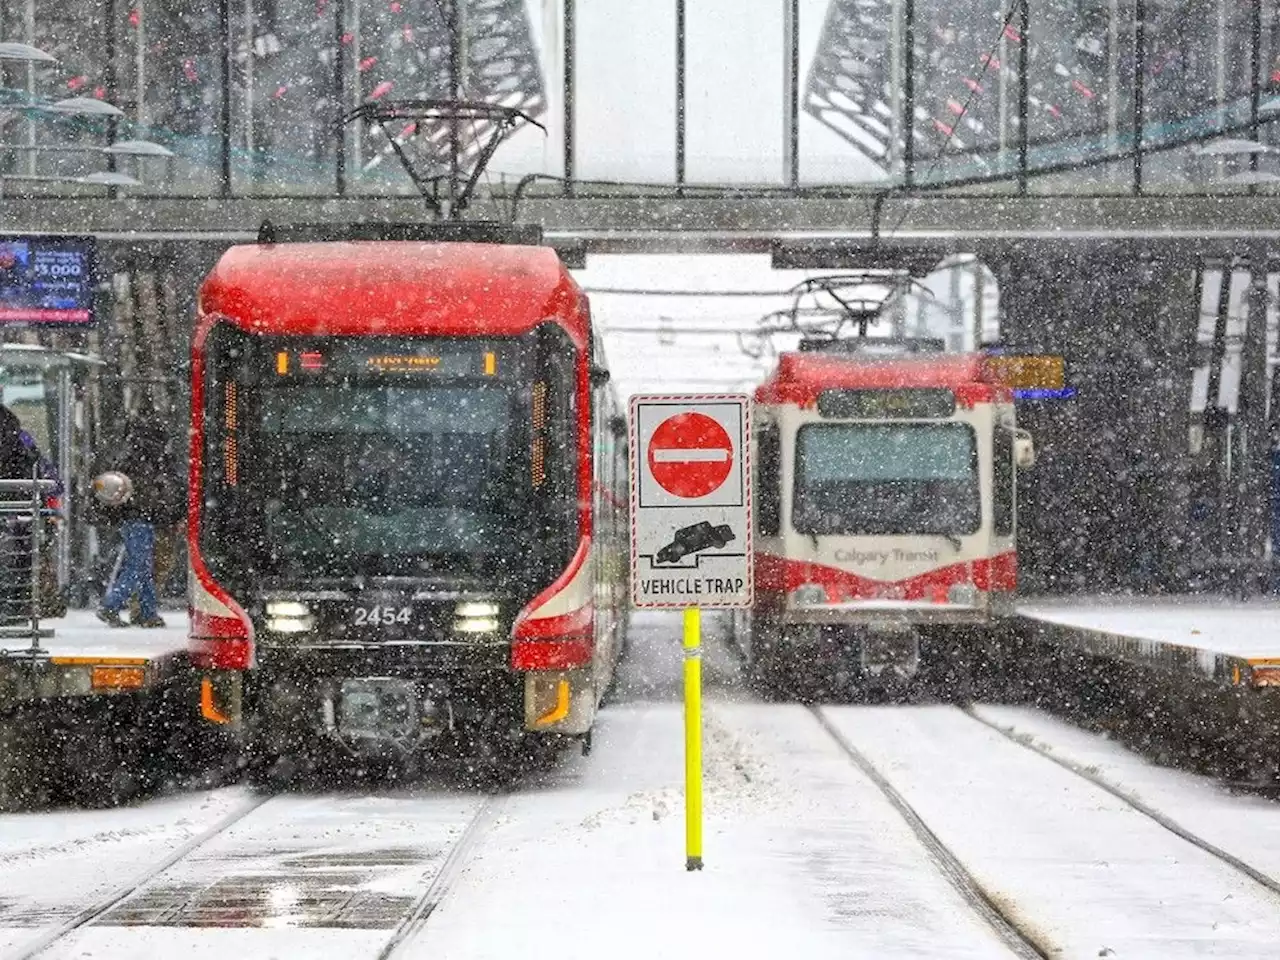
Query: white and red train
x=886 y=510
x=407 y=497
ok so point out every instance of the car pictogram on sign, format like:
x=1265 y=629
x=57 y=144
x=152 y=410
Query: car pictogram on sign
x=692 y=539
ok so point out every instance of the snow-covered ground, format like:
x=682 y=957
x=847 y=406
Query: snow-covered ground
x=789 y=871
x=1249 y=630
x=804 y=856
x=1084 y=872
x=1244 y=826
x=53 y=864
x=81 y=634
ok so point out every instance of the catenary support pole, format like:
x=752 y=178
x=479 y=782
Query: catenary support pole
x=681 y=21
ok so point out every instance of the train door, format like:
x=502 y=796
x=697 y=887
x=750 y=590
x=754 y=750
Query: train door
x=1004 y=499
x=1011 y=450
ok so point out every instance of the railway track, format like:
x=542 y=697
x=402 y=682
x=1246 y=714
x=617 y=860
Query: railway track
x=997 y=918
x=409 y=928
x=1134 y=802
x=47 y=938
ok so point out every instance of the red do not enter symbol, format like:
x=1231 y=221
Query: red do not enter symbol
x=690 y=455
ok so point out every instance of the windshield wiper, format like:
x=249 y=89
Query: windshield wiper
x=954 y=541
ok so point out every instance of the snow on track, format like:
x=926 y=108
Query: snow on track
x=54 y=863
x=341 y=871
x=995 y=915
x=1081 y=869
x=803 y=857
x=98 y=908
x=1244 y=827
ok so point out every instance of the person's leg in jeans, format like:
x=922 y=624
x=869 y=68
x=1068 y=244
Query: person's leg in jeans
x=146 y=546
x=130 y=572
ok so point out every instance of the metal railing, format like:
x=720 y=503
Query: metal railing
x=23 y=515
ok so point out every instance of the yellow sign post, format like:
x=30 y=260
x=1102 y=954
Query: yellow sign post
x=693 y=738
x=691 y=537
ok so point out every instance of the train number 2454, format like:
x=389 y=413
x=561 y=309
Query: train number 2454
x=382 y=616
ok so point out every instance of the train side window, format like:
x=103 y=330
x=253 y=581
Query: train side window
x=768 y=481
x=1002 y=480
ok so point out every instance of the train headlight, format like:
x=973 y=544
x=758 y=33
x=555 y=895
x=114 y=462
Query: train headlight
x=476 y=625
x=809 y=594
x=475 y=608
x=476 y=616
x=289 y=624
x=287 y=608
x=963 y=594
x=289 y=616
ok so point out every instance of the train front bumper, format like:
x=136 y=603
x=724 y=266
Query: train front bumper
x=904 y=613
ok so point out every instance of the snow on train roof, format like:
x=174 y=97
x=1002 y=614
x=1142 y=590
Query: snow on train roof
x=800 y=377
x=400 y=287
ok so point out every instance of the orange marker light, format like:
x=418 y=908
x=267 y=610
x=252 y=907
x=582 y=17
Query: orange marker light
x=208 y=709
x=490 y=364
x=117 y=678
x=282 y=363
x=230 y=454
x=1028 y=372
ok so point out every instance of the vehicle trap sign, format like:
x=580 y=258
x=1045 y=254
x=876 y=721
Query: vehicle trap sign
x=691 y=501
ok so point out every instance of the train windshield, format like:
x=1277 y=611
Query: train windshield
x=886 y=478
x=382 y=471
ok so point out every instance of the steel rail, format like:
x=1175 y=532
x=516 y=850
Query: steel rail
x=42 y=942
x=1004 y=926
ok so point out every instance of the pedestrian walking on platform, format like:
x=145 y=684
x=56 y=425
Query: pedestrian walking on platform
x=156 y=500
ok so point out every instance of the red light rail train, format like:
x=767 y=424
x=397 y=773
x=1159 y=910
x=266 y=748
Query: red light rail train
x=407 y=499
x=886 y=512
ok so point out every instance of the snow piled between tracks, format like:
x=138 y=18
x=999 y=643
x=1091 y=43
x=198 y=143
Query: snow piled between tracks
x=1083 y=872
x=801 y=859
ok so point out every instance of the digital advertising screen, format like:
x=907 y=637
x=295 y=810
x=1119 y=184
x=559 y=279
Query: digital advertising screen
x=46 y=281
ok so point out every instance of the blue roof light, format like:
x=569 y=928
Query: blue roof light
x=1042 y=394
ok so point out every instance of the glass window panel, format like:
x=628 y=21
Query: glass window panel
x=625 y=92
x=283 y=90
x=61 y=149
x=1079 y=92
x=847 y=114
x=734 y=92
x=965 y=91
x=1190 y=169
x=1196 y=77
x=1113 y=177
x=539 y=87
x=168 y=58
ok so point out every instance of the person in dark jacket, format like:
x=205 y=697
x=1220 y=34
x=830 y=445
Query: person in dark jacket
x=156 y=500
x=18 y=459
x=18 y=456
